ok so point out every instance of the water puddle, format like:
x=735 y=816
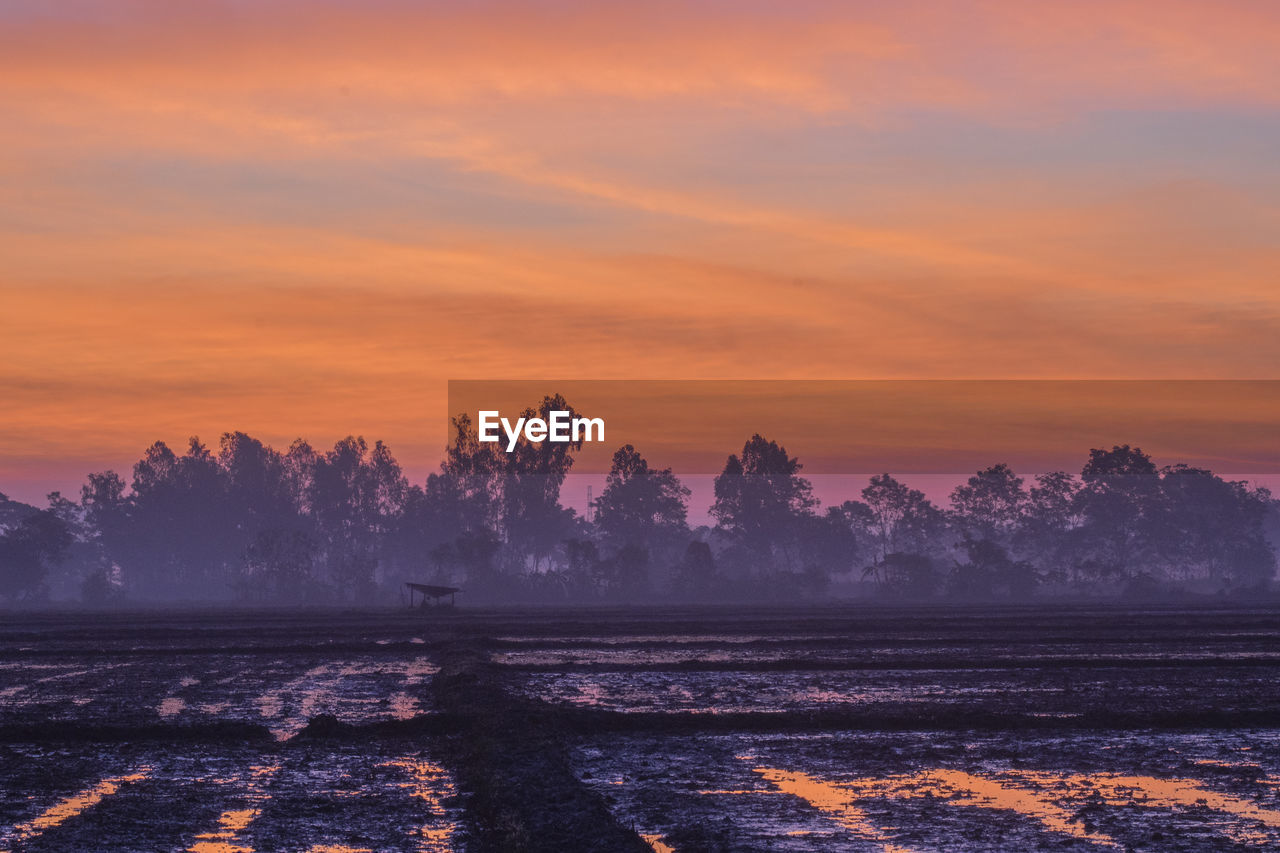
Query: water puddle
x=965 y=789
x=403 y=706
x=433 y=785
x=353 y=692
x=656 y=842
x=1151 y=792
x=836 y=801
x=233 y=822
x=1055 y=801
x=72 y=806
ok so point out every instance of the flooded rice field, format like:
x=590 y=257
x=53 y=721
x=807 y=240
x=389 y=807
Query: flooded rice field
x=225 y=798
x=946 y=791
x=685 y=730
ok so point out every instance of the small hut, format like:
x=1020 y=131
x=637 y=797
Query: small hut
x=431 y=592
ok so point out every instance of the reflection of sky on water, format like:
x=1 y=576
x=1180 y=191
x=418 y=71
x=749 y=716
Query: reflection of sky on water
x=282 y=693
x=1036 y=795
x=226 y=838
x=70 y=807
x=930 y=792
x=380 y=801
x=431 y=784
x=1030 y=690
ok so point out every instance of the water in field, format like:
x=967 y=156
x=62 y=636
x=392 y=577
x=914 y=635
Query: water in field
x=941 y=792
x=771 y=731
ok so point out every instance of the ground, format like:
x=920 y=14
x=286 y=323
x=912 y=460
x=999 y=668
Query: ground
x=1038 y=728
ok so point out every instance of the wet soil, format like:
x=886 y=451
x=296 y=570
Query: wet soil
x=694 y=729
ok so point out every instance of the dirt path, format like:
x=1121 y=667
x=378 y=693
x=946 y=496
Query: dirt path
x=512 y=758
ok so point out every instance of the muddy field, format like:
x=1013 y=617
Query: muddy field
x=686 y=730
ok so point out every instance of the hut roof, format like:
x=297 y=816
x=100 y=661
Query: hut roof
x=432 y=590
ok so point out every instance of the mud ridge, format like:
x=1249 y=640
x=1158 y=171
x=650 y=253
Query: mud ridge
x=67 y=732
x=902 y=665
x=592 y=722
x=512 y=762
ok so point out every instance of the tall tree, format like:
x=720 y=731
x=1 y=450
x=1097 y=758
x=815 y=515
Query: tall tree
x=533 y=522
x=1047 y=536
x=641 y=506
x=1208 y=528
x=1121 y=492
x=902 y=519
x=760 y=499
x=991 y=504
x=27 y=551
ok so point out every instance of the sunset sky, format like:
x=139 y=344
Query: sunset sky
x=303 y=219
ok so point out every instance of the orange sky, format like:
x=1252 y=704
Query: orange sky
x=302 y=219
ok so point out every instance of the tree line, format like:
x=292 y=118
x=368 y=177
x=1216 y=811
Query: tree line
x=250 y=524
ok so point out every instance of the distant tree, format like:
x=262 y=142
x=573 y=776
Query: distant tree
x=27 y=551
x=515 y=495
x=84 y=556
x=901 y=520
x=695 y=575
x=471 y=474
x=1047 y=536
x=989 y=572
x=474 y=556
x=830 y=544
x=279 y=565
x=642 y=508
x=354 y=500
x=1206 y=527
x=259 y=491
x=532 y=521
x=1120 y=493
x=760 y=500
x=12 y=512
x=991 y=505
x=909 y=575
x=624 y=576
x=107 y=523
x=98 y=588
x=421 y=536
x=178 y=536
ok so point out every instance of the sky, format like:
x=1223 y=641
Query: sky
x=304 y=219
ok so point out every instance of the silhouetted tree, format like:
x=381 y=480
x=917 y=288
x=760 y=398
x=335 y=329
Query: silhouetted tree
x=760 y=501
x=1120 y=493
x=640 y=505
x=83 y=558
x=27 y=550
x=339 y=525
x=695 y=575
x=991 y=504
x=642 y=508
x=830 y=544
x=180 y=536
x=1048 y=534
x=909 y=575
x=354 y=499
x=901 y=521
x=12 y=512
x=1206 y=527
x=532 y=521
x=279 y=565
x=988 y=572
x=515 y=494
